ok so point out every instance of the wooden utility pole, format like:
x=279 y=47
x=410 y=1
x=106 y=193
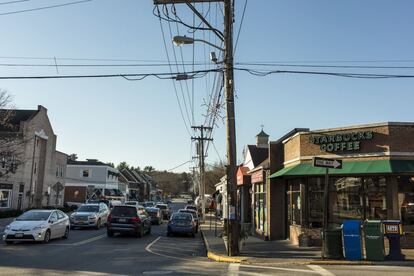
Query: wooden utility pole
x=233 y=223
x=201 y=158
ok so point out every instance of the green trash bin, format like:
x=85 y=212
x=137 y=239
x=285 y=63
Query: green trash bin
x=332 y=244
x=374 y=240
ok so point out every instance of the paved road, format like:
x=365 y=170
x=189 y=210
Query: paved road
x=90 y=252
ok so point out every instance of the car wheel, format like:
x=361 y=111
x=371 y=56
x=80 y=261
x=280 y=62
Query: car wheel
x=149 y=230
x=168 y=234
x=66 y=236
x=98 y=224
x=140 y=232
x=9 y=242
x=110 y=233
x=47 y=236
x=193 y=235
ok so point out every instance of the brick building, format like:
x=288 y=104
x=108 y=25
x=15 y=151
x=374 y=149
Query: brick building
x=376 y=181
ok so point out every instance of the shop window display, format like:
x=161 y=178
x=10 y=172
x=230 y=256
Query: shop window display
x=315 y=202
x=406 y=202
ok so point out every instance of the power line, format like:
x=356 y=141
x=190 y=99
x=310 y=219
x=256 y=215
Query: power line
x=138 y=76
x=168 y=58
x=99 y=65
x=13 y=2
x=322 y=66
x=182 y=164
x=46 y=7
x=241 y=25
x=263 y=73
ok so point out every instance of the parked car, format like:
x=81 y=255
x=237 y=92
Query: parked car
x=191 y=207
x=90 y=215
x=133 y=203
x=38 y=225
x=128 y=219
x=155 y=214
x=166 y=213
x=195 y=216
x=181 y=223
x=149 y=204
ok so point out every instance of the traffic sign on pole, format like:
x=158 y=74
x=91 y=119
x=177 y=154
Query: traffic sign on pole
x=327 y=163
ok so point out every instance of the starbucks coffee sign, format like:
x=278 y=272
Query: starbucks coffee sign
x=350 y=141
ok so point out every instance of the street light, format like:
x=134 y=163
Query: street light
x=183 y=40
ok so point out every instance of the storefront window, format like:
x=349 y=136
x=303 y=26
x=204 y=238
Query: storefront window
x=406 y=202
x=294 y=201
x=315 y=202
x=260 y=206
x=346 y=199
x=5 y=198
x=375 y=198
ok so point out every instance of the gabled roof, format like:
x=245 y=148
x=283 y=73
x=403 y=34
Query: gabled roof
x=87 y=163
x=16 y=117
x=258 y=154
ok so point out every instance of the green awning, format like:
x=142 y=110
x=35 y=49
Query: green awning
x=351 y=167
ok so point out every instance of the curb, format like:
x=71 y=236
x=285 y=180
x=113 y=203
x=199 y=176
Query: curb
x=340 y=262
x=221 y=258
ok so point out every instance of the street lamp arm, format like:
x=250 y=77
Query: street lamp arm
x=209 y=43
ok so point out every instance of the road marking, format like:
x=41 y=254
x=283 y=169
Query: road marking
x=148 y=249
x=233 y=269
x=159 y=272
x=320 y=270
x=280 y=268
x=89 y=240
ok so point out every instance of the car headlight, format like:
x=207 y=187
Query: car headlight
x=8 y=227
x=92 y=217
x=39 y=227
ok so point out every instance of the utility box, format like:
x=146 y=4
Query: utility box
x=351 y=231
x=374 y=240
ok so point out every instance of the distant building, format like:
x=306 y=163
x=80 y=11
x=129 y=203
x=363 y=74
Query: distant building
x=28 y=144
x=91 y=179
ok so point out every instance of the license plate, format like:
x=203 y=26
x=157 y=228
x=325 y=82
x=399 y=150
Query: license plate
x=19 y=235
x=122 y=220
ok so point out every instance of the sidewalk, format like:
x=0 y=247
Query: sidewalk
x=260 y=252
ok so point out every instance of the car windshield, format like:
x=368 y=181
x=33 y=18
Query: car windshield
x=88 y=208
x=161 y=207
x=124 y=211
x=187 y=211
x=130 y=203
x=191 y=207
x=181 y=216
x=34 y=216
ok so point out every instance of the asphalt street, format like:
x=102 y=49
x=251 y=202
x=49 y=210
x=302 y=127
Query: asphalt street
x=90 y=252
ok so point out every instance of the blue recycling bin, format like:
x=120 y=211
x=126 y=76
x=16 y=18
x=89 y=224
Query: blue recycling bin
x=351 y=232
x=393 y=231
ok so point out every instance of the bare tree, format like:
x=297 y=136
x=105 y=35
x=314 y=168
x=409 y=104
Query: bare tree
x=10 y=144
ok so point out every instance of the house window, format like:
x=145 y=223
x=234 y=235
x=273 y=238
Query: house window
x=5 y=198
x=85 y=173
x=57 y=171
x=35 y=168
x=61 y=171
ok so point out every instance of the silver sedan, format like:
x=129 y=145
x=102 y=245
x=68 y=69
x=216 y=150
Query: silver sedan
x=38 y=225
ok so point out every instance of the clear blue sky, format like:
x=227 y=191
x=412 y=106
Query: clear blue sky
x=139 y=122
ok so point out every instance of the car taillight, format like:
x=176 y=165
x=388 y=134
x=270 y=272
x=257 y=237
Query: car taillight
x=109 y=218
x=136 y=219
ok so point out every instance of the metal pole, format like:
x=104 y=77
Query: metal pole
x=325 y=211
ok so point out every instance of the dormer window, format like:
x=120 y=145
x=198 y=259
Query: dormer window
x=86 y=173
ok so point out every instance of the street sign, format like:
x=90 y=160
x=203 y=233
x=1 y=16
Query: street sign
x=327 y=163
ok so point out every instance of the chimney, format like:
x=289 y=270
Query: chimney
x=262 y=140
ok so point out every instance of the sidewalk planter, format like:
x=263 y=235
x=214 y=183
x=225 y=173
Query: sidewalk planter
x=374 y=240
x=332 y=247
x=351 y=230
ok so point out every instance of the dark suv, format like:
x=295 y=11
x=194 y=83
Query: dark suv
x=128 y=219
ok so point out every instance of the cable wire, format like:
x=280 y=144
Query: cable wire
x=46 y=7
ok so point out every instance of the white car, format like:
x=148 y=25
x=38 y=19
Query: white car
x=38 y=225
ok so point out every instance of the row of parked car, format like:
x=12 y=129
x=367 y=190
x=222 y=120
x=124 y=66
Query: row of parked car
x=131 y=218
